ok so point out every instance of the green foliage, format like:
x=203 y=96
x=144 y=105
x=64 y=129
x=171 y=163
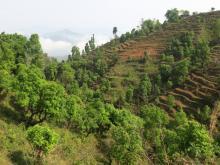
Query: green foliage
x=50 y=70
x=125 y=118
x=65 y=74
x=127 y=145
x=165 y=72
x=51 y=102
x=154 y=117
x=129 y=94
x=149 y=26
x=73 y=94
x=6 y=81
x=144 y=89
x=74 y=109
x=169 y=59
x=87 y=48
x=42 y=138
x=13 y=50
x=174 y=74
x=26 y=86
x=216 y=29
x=7 y=57
x=175 y=15
x=190 y=138
x=115 y=30
x=180 y=72
x=155 y=120
x=75 y=51
x=205 y=114
x=171 y=101
x=100 y=65
x=92 y=42
x=184 y=13
x=172 y=15
x=195 y=140
x=39 y=61
x=105 y=85
x=180 y=118
x=90 y=45
x=202 y=53
x=146 y=27
x=87 y=119
x=169 y=84
x=182 y=46
x=35 y=98
x=34 y=46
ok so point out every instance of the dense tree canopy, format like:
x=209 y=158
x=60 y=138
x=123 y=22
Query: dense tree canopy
x=36 y=98
x=132 y=110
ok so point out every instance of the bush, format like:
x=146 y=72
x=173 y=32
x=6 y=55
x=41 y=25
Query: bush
x=171 y=101
x=42 y=138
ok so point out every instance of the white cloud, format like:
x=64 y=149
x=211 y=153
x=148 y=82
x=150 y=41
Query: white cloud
x=63 y=48
x=55 y=48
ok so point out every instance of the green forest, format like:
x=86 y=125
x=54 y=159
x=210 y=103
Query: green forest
x=148 y=96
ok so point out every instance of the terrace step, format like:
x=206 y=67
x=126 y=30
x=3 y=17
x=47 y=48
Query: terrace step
x=184 y=99
x=188 y=94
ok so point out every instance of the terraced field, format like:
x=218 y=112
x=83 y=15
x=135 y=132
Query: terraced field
x=201 y=88
x=155 y=43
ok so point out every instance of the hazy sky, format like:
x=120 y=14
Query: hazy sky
x=88 y=16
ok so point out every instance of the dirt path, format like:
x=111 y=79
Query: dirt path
x=214 y=118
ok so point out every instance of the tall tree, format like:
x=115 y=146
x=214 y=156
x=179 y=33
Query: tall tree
x=92 y=42
x=34 y=46
x=144 y=89
x=115 y=30
x=87 y=48
x=75 y=51
x=51 y=70
x=65 y=74
x=172 y=15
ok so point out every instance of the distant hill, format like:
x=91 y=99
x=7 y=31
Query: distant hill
x=64 y=35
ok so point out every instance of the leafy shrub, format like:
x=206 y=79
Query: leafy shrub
x=42 y=138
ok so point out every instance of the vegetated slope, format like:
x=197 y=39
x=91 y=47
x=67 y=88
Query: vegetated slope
x=155 y=43
x=129 y=67
x=108 y=132
x=200 y=89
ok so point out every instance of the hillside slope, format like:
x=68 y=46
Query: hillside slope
x=156 y=42
x=129 y=67
x=120 y=103
x=201 y=87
